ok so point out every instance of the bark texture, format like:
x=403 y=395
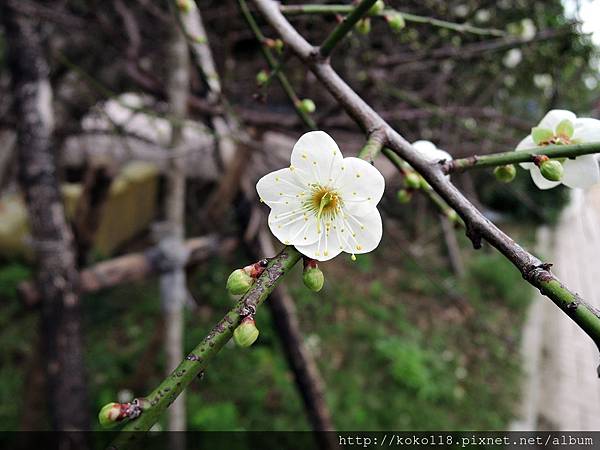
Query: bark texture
x=52 y=237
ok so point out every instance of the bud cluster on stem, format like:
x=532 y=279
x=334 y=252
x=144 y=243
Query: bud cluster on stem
x=412 y=182
x=312 y=276
x=114 y=413
x=306 y=106
x=551 y=169
x=505 y=173
x=241 y=280
x=246 y=333
x=275 y=44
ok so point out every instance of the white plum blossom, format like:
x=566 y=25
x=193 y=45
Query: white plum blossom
x=323 y=203
x=431 y=153
x=563 y=127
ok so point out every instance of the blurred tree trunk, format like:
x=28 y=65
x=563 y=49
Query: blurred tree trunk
x=52 y=238
x=173 y=285
x=452 y=247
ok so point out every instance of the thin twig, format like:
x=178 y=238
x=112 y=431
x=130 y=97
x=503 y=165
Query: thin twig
x=275 y=67
x=291 y=10
x=355 y=14
x=373 y=146
x=170 y=388
x=513 y=157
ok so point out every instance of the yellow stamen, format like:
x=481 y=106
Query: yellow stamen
x=325 y=200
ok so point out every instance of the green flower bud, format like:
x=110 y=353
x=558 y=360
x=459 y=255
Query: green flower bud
x=565 y=129
x=313 y=277
x=185 y=6
x=278 y=45
x=412 y=180
x=377 y=7
x=239 y=282
x=246 y=333
x=396 y=22
x=307 y=106
x=262 y=77
x=404 y=196
x=541 y=135
x=505 y=173
x=363 y=26
x=110 y=415
x=552 y=170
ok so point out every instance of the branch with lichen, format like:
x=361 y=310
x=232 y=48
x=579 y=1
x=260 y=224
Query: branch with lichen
x=196 y=361
x=478 y=227
x=291 y=10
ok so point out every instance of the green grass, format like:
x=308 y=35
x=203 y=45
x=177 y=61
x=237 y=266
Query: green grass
x=395 y=349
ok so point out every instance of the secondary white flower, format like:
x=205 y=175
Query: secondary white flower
x=324 y=204
x=563 y=127
x=430 y=152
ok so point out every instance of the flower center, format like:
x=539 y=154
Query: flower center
x=324 y=201
x=557 y=139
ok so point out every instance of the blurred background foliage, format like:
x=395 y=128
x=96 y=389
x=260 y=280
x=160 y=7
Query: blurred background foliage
x=401 y=342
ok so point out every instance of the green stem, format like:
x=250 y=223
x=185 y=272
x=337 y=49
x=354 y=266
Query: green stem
x=275 y=66
x=196 y=361
x=513 y=157
x=345 y=9
x=355 y=14
x=586 y=316
x=373 y=146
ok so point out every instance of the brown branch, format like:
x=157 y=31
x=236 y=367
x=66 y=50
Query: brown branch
x=478 y=226
x=133 y=267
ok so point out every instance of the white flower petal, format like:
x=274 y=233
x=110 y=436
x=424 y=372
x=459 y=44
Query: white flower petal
x=365 y=231
x=539 y=179
x=440 y=155
x=527 y=166
x=293 y=226
x=348 y=233
x=526 y=144
x=430 y=151
x=322 y=250
x=587 y=130
x=281 y=188
x=360 y=185
x=316 y=158
x=554 y=117
x=424 y=146
x=581 y=172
